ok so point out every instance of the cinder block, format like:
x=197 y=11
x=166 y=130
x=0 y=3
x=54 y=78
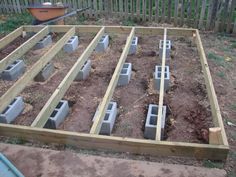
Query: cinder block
x=102 y=44
x=157 y=78
x=14 y=70
x=45 y=73
x=109 y=119
x=72 y=44
x=84 y=72
x=12 y=111
x=125 y=74
x=133 y=47
x=168 y=48
x=58 y=115
x=151 y=121
x=44 y=42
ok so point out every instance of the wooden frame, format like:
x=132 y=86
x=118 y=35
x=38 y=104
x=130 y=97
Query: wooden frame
x=217 y=150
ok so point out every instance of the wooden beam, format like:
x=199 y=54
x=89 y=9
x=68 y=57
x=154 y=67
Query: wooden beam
x=20 y=84
x=25 y=47
x=10 y=37
x=48 y=108
x=161 y=92
x=116 y=144
x=140 y=30
x=215 y=136
x=112 y=85
x=215 y=109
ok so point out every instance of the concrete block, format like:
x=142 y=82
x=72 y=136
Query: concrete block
x=14 y=70
x=157 y=78
x=84 y=72
x=44 y=42
x=125 y=74
x=45 y=73
x=168 y=48
x=102 y=44
x=13 y=110
x=151 y=121
x=71 y=45
x=133 y=47
x=58 y=115
x=109 y=119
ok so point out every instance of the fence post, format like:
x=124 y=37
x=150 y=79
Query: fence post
x=176 y=12
x=202 y=14
x=163 y=11
x=182 y=13
x=209 y=15
x=157 y=10
x=169 y=12
x=230 y=17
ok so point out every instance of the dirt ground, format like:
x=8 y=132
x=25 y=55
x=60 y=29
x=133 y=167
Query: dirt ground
x=189 y=114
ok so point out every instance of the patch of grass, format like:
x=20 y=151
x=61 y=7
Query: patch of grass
x=210 y=164
x=233 y=106
x=15 y=141
x=233 y=45
x=231 y=174
x=219 y=60
x=128 y=22
x=14 y=21
x=221 y=74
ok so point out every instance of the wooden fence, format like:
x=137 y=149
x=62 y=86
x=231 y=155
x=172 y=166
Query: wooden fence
x=218 y=15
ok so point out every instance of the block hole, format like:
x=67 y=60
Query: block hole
x=109 y=106
x=69 y=41
x=153 y=120
x=59 y=105
x=126 y=65
x=53 y=113
x=106 y=116
x=9 y=67
x=124 y=71
x=154 y=110
x=5 y=110
x=13 y=101
x=15 y=62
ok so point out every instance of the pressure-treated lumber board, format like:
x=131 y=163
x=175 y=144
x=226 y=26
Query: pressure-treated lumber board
x=10 y=37
x=161 y=93
x=116 y=144
x=22 y=49
x=215 y=109
x=139 y=30
x=112 y=85
x=48 y=108
x=33 y=71
x=215 y=135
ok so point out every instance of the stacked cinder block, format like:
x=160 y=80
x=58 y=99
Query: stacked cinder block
x=58 y=115
x=102 y=44
x=47 y=40
x=125 y=74
x=84 y=72
x=168 y=48
x=151 y=121
x=12 y=110
x=45 y=73
x=71 y=45
x=109 y=119
x=133 y=47
x=157 y=78
x=14 y=70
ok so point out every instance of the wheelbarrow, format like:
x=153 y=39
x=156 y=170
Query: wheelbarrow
x=45 y=14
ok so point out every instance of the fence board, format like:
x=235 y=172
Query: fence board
x=176 y=12
x=208 y=14
x=157 y=10
x=200 y=26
